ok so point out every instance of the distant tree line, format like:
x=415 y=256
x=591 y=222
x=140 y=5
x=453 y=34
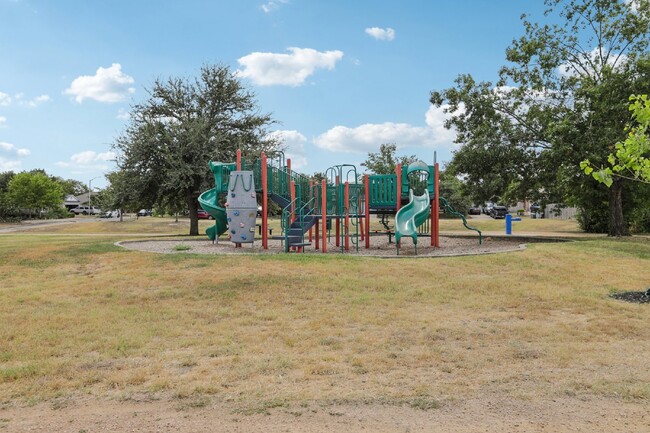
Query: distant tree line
x=34 y=193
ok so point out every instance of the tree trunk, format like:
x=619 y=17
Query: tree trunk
x=617 y=225
x=192 y=205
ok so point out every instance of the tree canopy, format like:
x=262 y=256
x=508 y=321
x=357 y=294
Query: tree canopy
x=631 y=160
x=34 y=191
x=183 y=124
x=385 y=161
x=560 y=99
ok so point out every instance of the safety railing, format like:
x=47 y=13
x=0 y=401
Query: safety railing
x=382 y=191
x=290 y=215
x=451 y=210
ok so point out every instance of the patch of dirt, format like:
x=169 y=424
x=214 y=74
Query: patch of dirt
x=379 y=246
x=490 y=413
x=636 y=297
x=31 y=224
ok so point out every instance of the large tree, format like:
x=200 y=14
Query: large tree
x=34 y=191
x=385 y=161
x=631 y=159
x=71 y=186
x=183 y=124
x=560 y=99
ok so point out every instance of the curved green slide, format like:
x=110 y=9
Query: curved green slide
x=208 y=201
x=411 y=216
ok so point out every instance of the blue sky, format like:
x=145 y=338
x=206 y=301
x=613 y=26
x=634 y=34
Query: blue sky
x=341 y=77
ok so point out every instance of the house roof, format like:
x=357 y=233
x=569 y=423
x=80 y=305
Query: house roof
x=83 y=198
x=70 y=199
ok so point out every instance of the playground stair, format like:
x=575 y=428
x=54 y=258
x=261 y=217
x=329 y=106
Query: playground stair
x=279 y=199
x=297 y=229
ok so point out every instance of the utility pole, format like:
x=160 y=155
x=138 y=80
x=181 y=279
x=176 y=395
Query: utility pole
x=90 y=192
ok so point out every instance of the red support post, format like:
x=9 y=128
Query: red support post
x=367 y=193
x=265 y=204
x=346 y=201
x=289 y=174
x=311 y=194
x=324 y=209
x=435 y=215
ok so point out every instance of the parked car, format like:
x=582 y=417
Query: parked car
x=110 y=214
x=145 y=212
x=86 y=210
x=474 y=210
x=499 y=212
x=203 y=215
x=487 y=210
x=536 y=211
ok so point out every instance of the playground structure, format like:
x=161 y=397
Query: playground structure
x=342 y=203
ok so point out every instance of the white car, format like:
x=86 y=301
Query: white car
x=86 y=210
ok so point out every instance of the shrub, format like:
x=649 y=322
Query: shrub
x=640 y=220
x=58 y=213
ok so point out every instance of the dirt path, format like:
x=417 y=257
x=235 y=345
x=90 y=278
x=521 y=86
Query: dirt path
x=31 y=224
x=481 y=415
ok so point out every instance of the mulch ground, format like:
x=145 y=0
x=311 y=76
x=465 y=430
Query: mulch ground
x=379 y=246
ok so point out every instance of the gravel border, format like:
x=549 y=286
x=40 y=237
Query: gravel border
x=379 y=247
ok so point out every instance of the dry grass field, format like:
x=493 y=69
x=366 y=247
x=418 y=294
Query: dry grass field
x=84 y=320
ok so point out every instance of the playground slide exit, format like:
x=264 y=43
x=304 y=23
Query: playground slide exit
x=208 y=201
x=411 y=216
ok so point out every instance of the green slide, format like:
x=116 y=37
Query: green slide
x=411 y=216
x=208 y=201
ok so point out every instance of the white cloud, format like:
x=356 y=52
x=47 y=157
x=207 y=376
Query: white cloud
x=267 y=69
x=380 y=34
x=592 y=62
x=294 y=143
x=9 y=165
x=272 y=5
x=633 y=5
x=7 y=147
x=435 y=118
x=367 y=137
x=5 y=99
x=38 y=101
x=89 y=160
x=12 y=148
x=122 y=114
x=107 y=85
x=3 y=122
x=89 y=157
